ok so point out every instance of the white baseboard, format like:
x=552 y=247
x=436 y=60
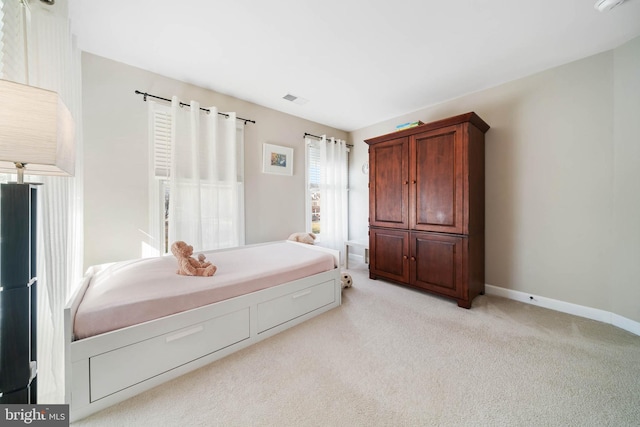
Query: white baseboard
x=566 y=307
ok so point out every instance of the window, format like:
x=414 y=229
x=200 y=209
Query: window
x=313 y=187
x=327 y=190
x=219 y=187
x=160 y=155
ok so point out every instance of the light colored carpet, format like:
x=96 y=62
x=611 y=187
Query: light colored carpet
x=392 y=356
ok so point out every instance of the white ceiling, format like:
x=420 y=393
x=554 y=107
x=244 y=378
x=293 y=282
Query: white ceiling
x=358 y=62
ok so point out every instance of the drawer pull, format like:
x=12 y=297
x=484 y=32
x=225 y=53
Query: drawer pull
x=301 y=294
x=185 y=333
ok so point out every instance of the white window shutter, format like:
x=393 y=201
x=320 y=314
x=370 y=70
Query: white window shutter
x=314 y=165
x=161 y=142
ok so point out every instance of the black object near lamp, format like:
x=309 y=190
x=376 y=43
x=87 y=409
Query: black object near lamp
x=36 y=138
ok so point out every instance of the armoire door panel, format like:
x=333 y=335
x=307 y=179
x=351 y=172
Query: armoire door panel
x=437 y=263
x=437 y=173
x=390 y=249
x=389 y=184
x=436 y=181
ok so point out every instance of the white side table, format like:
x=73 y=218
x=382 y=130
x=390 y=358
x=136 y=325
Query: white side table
x=357 y=243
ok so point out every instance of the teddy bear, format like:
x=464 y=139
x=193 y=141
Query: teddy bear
x=307 y=238
x=189 y=266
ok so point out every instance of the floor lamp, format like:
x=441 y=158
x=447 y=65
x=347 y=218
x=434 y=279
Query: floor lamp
x=36 y=138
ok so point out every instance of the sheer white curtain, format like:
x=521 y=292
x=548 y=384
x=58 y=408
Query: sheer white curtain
x=55 y=64
x=206 y=202
x=334 y=181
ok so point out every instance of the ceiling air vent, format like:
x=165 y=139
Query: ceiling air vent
x=295 y=99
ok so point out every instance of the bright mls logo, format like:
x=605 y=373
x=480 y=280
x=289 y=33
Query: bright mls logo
x=36 y=415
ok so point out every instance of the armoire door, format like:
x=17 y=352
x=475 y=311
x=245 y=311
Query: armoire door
x=389 y=184
x=437 y=263
x=389 y=254
x=437 y=180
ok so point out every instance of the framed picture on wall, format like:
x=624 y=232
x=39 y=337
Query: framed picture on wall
x=277 y=160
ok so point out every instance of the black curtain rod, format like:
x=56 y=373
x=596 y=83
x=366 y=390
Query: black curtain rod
x=319 y=137
x=146 y=95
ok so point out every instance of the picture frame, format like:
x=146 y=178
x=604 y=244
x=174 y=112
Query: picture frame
x=277 y=160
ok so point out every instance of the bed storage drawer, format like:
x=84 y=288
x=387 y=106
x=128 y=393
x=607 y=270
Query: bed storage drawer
x=129 y=365
x=282 y=309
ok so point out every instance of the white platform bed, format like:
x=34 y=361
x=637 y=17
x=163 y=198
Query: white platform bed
x=109 y=367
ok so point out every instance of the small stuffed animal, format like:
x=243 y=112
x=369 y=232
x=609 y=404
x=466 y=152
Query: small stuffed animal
x=346 y=280
x=189 y=266
x=203 y=262
x=307 y=238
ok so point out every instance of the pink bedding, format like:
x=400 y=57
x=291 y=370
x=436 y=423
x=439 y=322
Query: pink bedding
x=128 y=293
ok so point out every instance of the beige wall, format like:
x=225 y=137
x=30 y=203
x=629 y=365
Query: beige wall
x=562 y=181
x=625 y=247
x=116 y=156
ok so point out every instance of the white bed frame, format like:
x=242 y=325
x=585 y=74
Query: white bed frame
x=108 y=368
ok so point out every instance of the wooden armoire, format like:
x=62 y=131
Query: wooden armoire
x=426 y=207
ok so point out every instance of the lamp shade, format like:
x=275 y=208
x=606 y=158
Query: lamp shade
x=36 y=129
